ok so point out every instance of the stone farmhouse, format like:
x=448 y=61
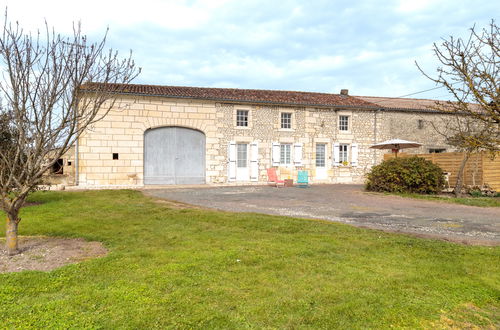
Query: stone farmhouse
x=187 y=135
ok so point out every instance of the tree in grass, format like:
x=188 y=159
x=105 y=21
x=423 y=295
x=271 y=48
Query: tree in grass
x=46 y=102
x=469 y=69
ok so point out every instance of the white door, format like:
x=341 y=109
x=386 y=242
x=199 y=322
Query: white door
x=321 y=173
x=242 y=168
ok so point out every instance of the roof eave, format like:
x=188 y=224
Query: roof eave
x=318 y=105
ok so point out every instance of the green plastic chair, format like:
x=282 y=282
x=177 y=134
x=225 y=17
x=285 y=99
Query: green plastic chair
x=303 y=179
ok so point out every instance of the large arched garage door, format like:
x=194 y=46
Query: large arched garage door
x=174 y=155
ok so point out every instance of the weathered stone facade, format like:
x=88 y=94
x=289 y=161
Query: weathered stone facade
x=121 y=133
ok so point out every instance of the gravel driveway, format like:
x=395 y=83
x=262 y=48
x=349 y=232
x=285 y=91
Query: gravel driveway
x=350 y=204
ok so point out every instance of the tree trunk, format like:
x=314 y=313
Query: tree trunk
x=11 y=235
x=460 y=175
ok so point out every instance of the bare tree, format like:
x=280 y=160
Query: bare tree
x=46 y=91
x=469 y=136
x=469 y=69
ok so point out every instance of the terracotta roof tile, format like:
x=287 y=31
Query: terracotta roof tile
x=241 y=95
x=400 y=103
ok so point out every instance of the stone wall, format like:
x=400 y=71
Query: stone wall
x=122 y=132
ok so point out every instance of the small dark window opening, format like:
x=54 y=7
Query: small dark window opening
x=115 y=155
x=58 y=167
x=436 y=150
x=69 y=163
x=420 y=124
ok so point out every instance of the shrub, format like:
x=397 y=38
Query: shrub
x=406 y=175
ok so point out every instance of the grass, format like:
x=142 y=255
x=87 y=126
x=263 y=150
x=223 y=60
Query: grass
x=190 y=268
x=471 y=201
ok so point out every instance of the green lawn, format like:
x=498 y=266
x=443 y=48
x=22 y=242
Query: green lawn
x=189 y=268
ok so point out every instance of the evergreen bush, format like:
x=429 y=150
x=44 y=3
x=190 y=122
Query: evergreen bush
x=406 y=175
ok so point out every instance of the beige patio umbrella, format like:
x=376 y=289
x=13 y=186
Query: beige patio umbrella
x=396 y=145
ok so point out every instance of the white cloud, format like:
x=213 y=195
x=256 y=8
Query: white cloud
x=409 y=6
x=98 y=14
x=368 y=47
x=368 y=55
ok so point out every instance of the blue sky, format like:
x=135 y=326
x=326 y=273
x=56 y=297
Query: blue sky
x=368 y=47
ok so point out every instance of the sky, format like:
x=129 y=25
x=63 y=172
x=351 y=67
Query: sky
x=367 y=47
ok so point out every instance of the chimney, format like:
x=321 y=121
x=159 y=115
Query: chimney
x=344 y=92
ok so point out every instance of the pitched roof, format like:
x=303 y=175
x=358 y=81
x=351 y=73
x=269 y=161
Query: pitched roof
x=400 y=103
x=238 y=95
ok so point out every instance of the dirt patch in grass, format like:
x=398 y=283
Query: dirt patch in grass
x=48 y=253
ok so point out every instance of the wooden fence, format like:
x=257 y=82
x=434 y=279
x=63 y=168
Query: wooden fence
x=480 y=168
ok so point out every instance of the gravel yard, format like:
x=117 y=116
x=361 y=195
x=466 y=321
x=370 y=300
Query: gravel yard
x=349 y=204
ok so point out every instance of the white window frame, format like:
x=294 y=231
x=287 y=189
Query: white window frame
x=344 y=125
x=238 y=118
x=288 y=121
x=343 y=154
x=324 y=155
x=239 y=153
x=283 y=154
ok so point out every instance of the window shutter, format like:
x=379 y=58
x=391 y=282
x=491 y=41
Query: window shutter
x=276 y=154
x=231 y=164
x=297 y=154
x=336 y=154
x=254 y=161
x=354 y=154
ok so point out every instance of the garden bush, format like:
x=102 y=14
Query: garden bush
x=406 y=175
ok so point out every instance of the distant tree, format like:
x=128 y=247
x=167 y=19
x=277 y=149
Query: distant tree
x=45 y=105
x=469 y=69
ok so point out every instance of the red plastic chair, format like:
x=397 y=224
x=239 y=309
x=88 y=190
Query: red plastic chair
x=272 y=178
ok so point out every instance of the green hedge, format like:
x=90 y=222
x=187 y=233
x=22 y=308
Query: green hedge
x=408 y=175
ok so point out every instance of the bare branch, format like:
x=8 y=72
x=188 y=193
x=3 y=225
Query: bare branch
x=43 y=106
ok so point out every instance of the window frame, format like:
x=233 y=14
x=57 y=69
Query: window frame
x=343 y=154
x=283 y=154
x=323 y=159
x=286 y=121
x=244 y=121
x=344 y=126
x=238 y=158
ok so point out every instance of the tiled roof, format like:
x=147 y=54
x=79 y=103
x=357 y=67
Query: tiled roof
x=401 y=103
x=238 y=95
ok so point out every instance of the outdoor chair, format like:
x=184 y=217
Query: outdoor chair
x=272 y=178
x=303 y=179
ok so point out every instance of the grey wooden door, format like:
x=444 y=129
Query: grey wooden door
x=174 y=155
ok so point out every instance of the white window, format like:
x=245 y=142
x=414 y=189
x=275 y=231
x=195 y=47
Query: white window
x=343 y=153
x=242 y=155
x=285 y=154
x=320 y=154
x=242 y=118
x=286 y=120
x=344 y=123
